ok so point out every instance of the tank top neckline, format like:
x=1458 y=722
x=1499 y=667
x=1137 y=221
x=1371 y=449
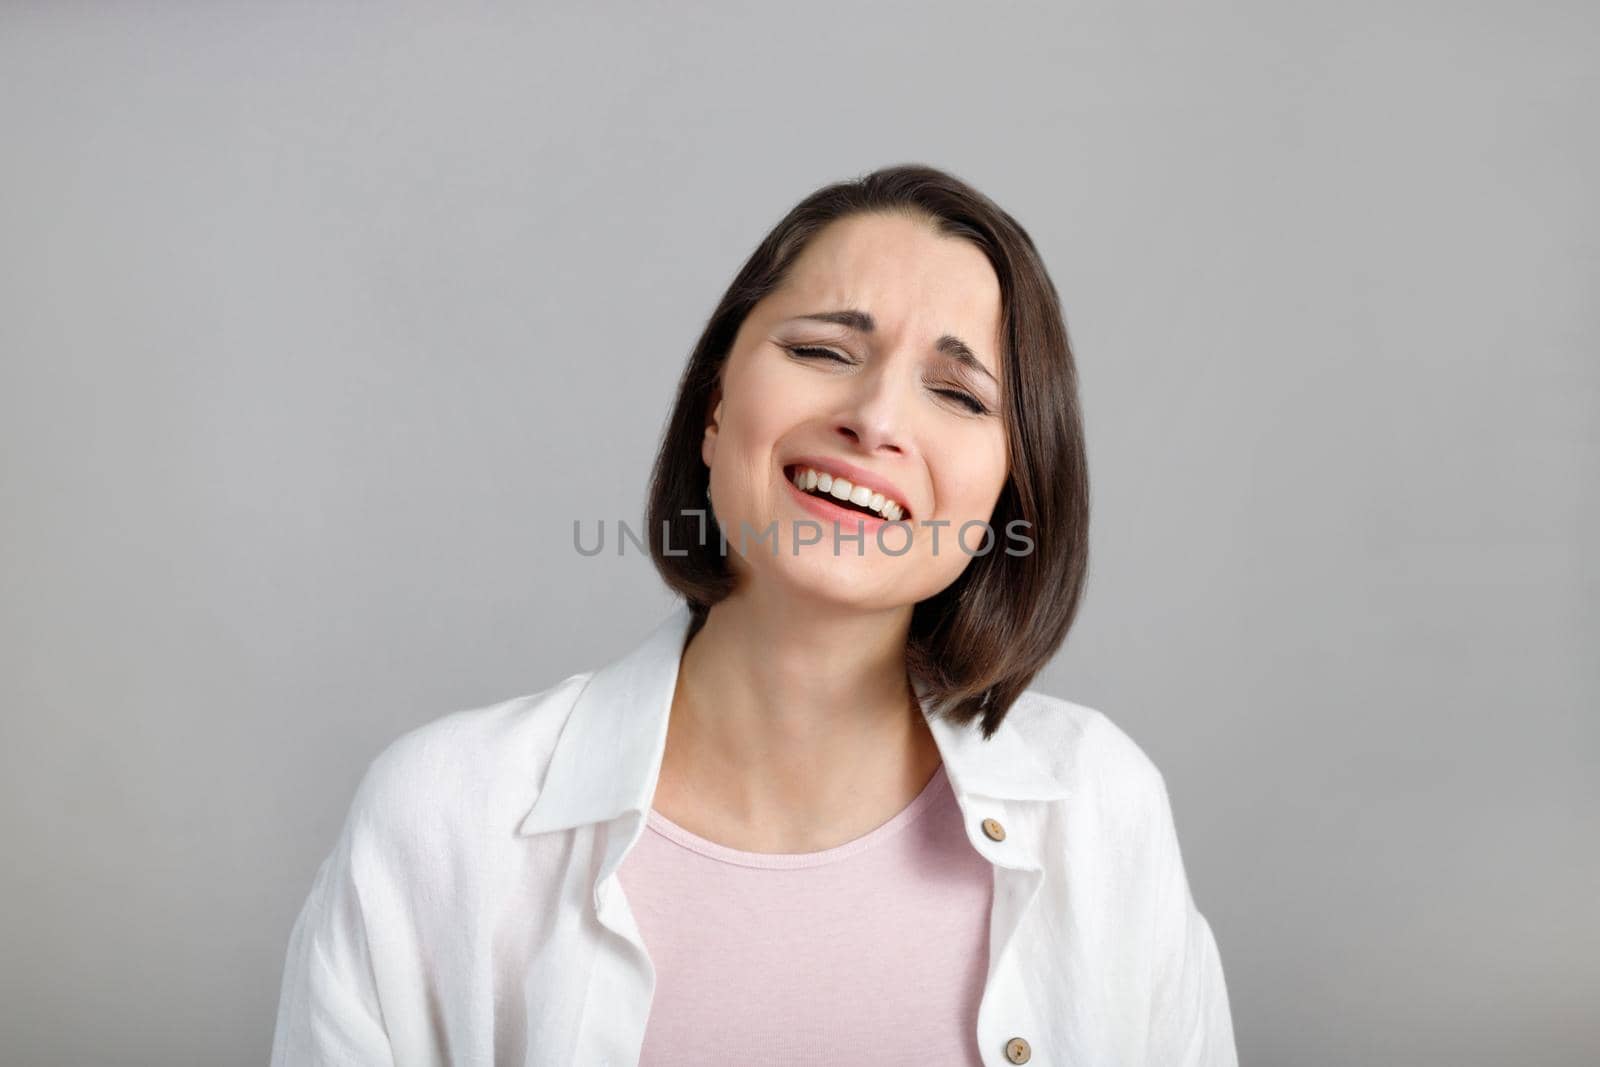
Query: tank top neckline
x=933 y=791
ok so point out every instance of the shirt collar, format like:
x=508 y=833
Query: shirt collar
x=608 y=756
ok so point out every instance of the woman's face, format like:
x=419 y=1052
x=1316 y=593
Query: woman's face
x=900 y=397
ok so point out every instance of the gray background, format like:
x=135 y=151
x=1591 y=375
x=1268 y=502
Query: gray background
x=321 y=323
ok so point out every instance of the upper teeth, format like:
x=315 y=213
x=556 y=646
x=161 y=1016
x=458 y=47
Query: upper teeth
x=809 y=479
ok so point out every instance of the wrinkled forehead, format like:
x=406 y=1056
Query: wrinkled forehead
x=916 y=283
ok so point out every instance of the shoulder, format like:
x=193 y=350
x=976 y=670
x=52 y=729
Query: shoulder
x=1115 y=810
x=477 y=768
x=1089 y=754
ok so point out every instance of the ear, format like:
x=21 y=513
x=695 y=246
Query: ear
x=708 y=443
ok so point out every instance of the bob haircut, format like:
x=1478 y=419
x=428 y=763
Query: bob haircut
x=977 y=643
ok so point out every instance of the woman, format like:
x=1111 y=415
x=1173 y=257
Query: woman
x=816 y=817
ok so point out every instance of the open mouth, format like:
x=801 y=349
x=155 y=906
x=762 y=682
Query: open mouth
x=842 y=493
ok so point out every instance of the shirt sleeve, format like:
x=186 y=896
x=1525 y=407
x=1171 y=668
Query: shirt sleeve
x=328 y=1010
x=1190 y=1021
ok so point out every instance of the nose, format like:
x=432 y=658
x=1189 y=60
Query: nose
x=874 y=416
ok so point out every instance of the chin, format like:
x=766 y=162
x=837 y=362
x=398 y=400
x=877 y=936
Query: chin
x=866 y=583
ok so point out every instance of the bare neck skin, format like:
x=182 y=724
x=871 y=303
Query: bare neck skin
x=793 y=727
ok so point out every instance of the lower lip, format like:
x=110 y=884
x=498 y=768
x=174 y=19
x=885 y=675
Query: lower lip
x=831 y=512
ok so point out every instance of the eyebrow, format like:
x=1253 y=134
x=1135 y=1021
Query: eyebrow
x=861 y=322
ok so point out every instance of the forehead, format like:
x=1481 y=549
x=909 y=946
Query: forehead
x=915 y=282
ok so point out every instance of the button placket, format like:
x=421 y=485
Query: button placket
x=1017 y=883
x=622 y=982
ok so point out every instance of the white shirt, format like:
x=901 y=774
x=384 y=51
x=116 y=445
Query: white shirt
x=471 y=913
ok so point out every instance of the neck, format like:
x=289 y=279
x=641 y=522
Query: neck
x=793 y=726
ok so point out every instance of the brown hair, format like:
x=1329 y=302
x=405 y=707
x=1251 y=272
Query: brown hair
x=979 y=642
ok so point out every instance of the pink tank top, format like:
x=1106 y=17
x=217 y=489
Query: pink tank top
x=875 y=951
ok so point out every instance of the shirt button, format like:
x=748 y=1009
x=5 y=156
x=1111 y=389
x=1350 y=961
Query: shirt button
x=995 y=832
x=1017 y=1051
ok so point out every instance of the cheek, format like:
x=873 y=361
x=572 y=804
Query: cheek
x=762 y=404
x=969 y=476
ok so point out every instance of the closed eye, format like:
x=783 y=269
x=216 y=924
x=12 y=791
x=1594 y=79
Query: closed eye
x=965 y=399
x=814 y=352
